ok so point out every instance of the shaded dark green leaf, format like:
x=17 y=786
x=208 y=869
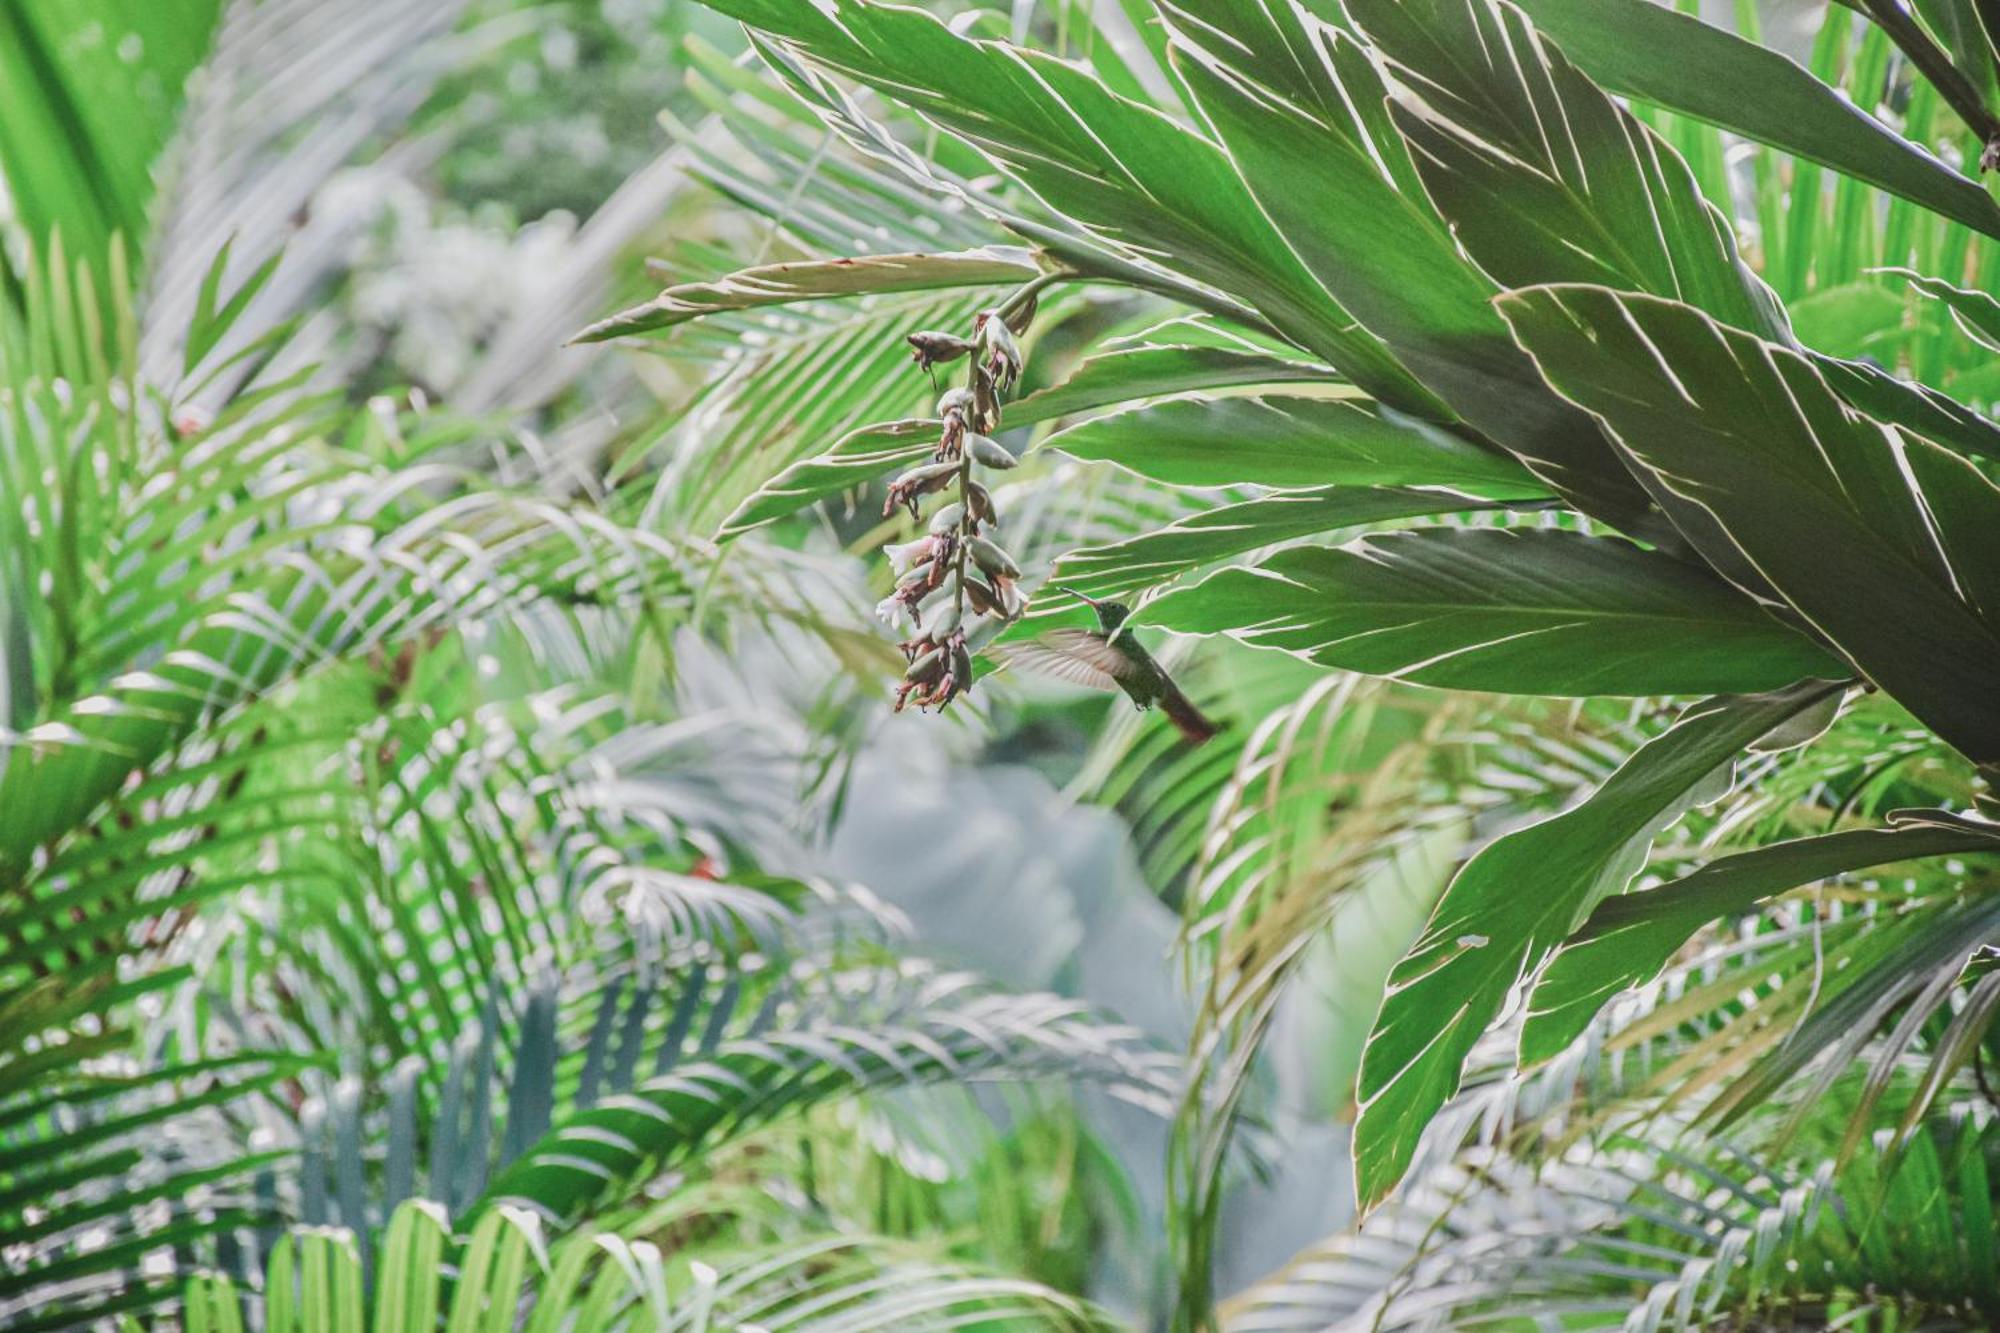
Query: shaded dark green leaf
x=1887 y=544
x=1542 y=176
x=1128 y=374
x=1327 y=174
x=1160 y=556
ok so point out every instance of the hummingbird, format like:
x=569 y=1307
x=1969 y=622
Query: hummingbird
x=1111 y=657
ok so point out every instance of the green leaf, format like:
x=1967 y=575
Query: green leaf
x=859 y=458
x=1542 y=176
x=1511 y=611
x=1160 y=556
x=1545 y=179
x=869 y=454
x=944 y=1031
x=210 y=323
x=1853 y=319
x=1283 y=442
x=1122 y=168
x=1648 y=51
x=1915 y=407
x=1975 y=312
x=1330 y=175
x=89 y=95
x=1128 y=374
x=1628 y=939
x=1514 y=902
x=816 y=279
x=1887 y=544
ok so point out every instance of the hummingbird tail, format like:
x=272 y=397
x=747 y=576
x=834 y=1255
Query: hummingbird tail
x=1180 y=710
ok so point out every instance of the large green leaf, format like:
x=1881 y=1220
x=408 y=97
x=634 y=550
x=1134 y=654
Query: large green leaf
x=1514 y=902
x=1512 y=611
x=1153 y=370
x=1542 y=176
x=1887 y=544
x=1158 y=557
x=1334 y=177
x=1628 y=939
x=1651 y=52
x=1121 y=167
x=1284 y=442
x=88 y=97
x=814 y=279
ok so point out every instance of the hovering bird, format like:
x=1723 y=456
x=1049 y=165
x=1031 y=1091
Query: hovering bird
x=1110 y=658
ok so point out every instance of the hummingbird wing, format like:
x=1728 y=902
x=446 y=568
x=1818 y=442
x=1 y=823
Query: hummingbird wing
x=1080 y=656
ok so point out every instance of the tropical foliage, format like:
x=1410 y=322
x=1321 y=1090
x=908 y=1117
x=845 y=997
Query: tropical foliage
x=1566 y=473
x=382 y=858
x=1483 y=348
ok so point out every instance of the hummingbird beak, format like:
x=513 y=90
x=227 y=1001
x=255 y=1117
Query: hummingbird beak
x=1081 y=597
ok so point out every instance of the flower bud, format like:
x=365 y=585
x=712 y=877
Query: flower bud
x=999 y=354
x=983 y=598
x=989 y=452
x=926 y=668
x=924 y=472
x=948 y=518
x=985 y=402
x=979 y=502
x=920 y=480
x=935 y=349
x=958 y=407
x=942 y=621
x=994 y=561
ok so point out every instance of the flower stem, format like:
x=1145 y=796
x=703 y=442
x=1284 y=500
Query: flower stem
x=1028 y=291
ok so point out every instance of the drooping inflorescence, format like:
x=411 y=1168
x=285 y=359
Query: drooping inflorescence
x=955 y=586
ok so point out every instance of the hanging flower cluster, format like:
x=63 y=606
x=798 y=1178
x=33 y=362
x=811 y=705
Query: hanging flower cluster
x=955 y=587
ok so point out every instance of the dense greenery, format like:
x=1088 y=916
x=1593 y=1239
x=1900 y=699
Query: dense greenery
x=1552 y=438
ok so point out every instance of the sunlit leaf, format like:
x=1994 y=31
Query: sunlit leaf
x=1284 y=442
x=815 y=279
x=1513 y=903
x=1516 y=611
x=1629 y=938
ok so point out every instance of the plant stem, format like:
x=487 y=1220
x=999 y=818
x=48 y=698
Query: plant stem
x=965 y=529
x=1028 y=291
x=1951 y=83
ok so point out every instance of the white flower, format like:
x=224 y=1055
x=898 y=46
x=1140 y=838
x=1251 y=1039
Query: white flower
x=903 y=556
